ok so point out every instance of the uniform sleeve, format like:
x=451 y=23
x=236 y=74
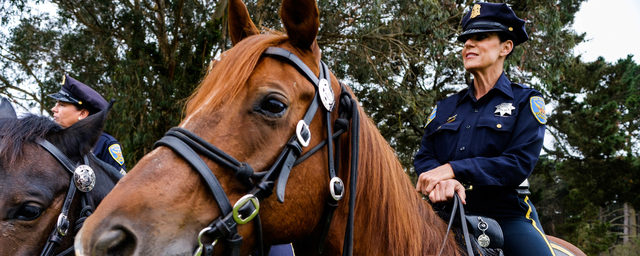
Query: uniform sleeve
x=114 y=156
x=514 y=164
x=425 y=159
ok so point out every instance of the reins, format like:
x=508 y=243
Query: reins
x=188 y=145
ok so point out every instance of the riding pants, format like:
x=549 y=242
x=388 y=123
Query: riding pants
x=523 y=236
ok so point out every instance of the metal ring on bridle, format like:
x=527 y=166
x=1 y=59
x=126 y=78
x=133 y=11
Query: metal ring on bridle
x=241 y=203
x=200 y=245
x=326 y=94
x=303 y=133
x=336 y=195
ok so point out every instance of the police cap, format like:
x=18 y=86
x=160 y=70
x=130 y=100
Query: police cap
x=81 y=95
x=493 y=17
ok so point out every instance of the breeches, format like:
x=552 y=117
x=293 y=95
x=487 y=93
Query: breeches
x=523 y=236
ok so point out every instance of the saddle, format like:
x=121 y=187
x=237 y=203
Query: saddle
x=480 y=235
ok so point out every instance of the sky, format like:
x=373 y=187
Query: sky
x=612 y=27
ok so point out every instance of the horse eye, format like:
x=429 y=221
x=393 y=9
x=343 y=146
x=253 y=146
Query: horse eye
x=28 y=212
x=272 y=106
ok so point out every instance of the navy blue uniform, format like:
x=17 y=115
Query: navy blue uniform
x=492 y=144
x=108 y=149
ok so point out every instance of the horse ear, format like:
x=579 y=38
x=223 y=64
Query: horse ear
x=6 y=109
x=79 y=138
x=301 y=20
x=240 y=24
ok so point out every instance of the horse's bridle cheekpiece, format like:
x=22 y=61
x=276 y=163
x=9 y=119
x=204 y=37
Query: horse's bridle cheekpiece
x=83 y=179
x=186 y=143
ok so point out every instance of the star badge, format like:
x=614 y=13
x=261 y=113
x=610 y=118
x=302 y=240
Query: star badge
x=504 y=109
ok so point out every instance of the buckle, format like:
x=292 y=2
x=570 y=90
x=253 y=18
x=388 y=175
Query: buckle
x=63 y=224
x=336 y=187
x=303 y=133
x=200 y=245
x=241 y=203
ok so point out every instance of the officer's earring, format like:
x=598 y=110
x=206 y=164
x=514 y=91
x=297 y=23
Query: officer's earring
x=79 y=118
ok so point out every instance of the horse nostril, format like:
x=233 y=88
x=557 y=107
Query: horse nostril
x=118 y=241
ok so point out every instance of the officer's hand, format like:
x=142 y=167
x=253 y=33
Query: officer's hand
x=445 y=190
x=428 y=180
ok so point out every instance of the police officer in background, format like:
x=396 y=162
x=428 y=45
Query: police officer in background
x=76 y=101
x=487 y=137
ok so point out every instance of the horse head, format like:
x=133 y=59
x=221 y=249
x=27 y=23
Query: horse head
x=34 y=184
x=249 y=130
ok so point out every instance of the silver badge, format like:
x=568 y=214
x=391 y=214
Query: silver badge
x=84 y=177
x=504 y=109
x=326 y=94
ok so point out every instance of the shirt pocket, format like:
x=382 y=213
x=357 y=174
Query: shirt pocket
x=493 y=134
x=445 y=138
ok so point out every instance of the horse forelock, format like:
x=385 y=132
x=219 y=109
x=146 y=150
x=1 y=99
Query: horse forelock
x=224 y=82
x=389 y=210
x=16 y=133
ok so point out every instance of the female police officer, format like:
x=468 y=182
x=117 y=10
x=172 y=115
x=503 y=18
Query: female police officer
x=488 y=136
x=74 y=102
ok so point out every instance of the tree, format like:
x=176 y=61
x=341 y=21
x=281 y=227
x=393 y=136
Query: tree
x=147 y=55
x=595 y=156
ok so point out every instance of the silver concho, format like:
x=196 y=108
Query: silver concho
x=84 y=177
x=326 y=94
x=484 y=241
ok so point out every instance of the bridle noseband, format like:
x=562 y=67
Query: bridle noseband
x=190 y=146
x=83 y=179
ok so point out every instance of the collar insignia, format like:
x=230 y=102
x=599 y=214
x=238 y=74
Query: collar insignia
x=504 y=109
x=452 y=118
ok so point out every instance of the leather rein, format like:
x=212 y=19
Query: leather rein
x=83 y=179
x=190 y=147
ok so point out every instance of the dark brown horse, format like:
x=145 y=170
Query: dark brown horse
x=34 y=184
x=249 y=106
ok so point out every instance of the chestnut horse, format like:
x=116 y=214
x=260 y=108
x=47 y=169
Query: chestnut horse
x=245 y=119
x=35 y=184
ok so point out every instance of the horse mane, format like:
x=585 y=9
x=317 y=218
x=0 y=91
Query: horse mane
x=389 y=209
x=15 y=133
x=230 y=72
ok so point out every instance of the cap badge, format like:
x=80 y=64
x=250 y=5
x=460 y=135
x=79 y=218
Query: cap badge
x=475 y=11
x=537 y=108
x=431 y=116
x=64 y=78
x=504 y=109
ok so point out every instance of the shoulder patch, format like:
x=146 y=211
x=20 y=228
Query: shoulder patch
x=431 y=116
x=537 y=108
x=116 y=152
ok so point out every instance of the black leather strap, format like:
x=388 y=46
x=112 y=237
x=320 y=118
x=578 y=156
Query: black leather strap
x=182 y=149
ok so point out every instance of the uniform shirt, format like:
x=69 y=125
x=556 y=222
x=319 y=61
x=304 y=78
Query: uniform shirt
x=492 y=143
x=108 y=149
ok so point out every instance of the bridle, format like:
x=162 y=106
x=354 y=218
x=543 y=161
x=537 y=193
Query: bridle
x=83 y=179
x=261 y=184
